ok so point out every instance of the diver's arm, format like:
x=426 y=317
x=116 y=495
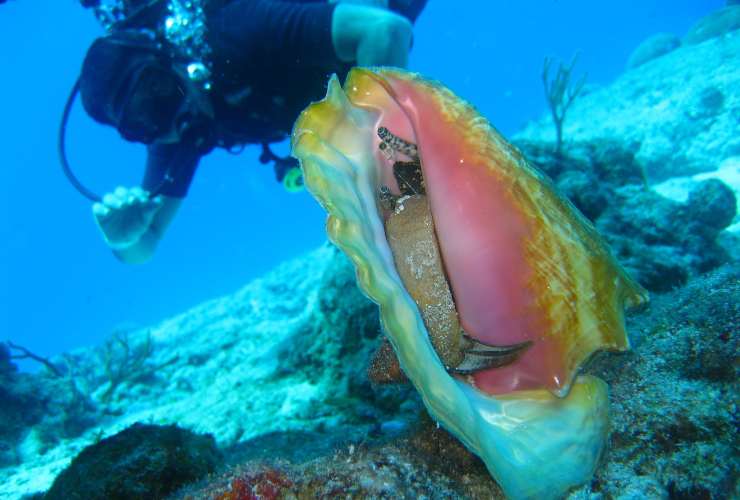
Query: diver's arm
x=131 y=220
x=370 y=36
x=143 y=249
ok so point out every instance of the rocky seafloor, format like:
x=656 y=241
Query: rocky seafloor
x=268 y=387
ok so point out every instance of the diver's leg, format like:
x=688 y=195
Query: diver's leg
x=370 y=36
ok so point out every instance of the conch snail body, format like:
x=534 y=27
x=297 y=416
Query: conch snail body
x=493 y=290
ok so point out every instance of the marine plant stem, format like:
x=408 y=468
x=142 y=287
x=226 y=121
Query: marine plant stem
x=560 y=94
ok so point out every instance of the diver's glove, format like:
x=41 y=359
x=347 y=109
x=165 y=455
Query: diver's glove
x=125 y=215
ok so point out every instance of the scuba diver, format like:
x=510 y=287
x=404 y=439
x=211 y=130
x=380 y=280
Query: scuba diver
x=186 y=76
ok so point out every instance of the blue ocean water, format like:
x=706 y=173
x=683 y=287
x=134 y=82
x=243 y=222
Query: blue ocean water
x=61 y=287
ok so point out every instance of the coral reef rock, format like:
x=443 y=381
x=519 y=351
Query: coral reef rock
x=38 y=410
x=143 y=461
x=653 y=47
x=716 y=24
x=674 y=398
x=674 y=401
x=289 y=352
x=679 y=112
x=661 y=239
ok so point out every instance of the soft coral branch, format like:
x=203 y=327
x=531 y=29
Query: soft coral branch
x=24 y=353
x=560 y=93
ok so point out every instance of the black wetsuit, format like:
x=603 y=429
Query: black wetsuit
x=270 y=60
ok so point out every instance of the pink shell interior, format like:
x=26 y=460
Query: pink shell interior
x=480 y=234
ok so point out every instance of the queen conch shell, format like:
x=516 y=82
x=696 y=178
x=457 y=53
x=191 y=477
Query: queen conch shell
x=523 y=265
